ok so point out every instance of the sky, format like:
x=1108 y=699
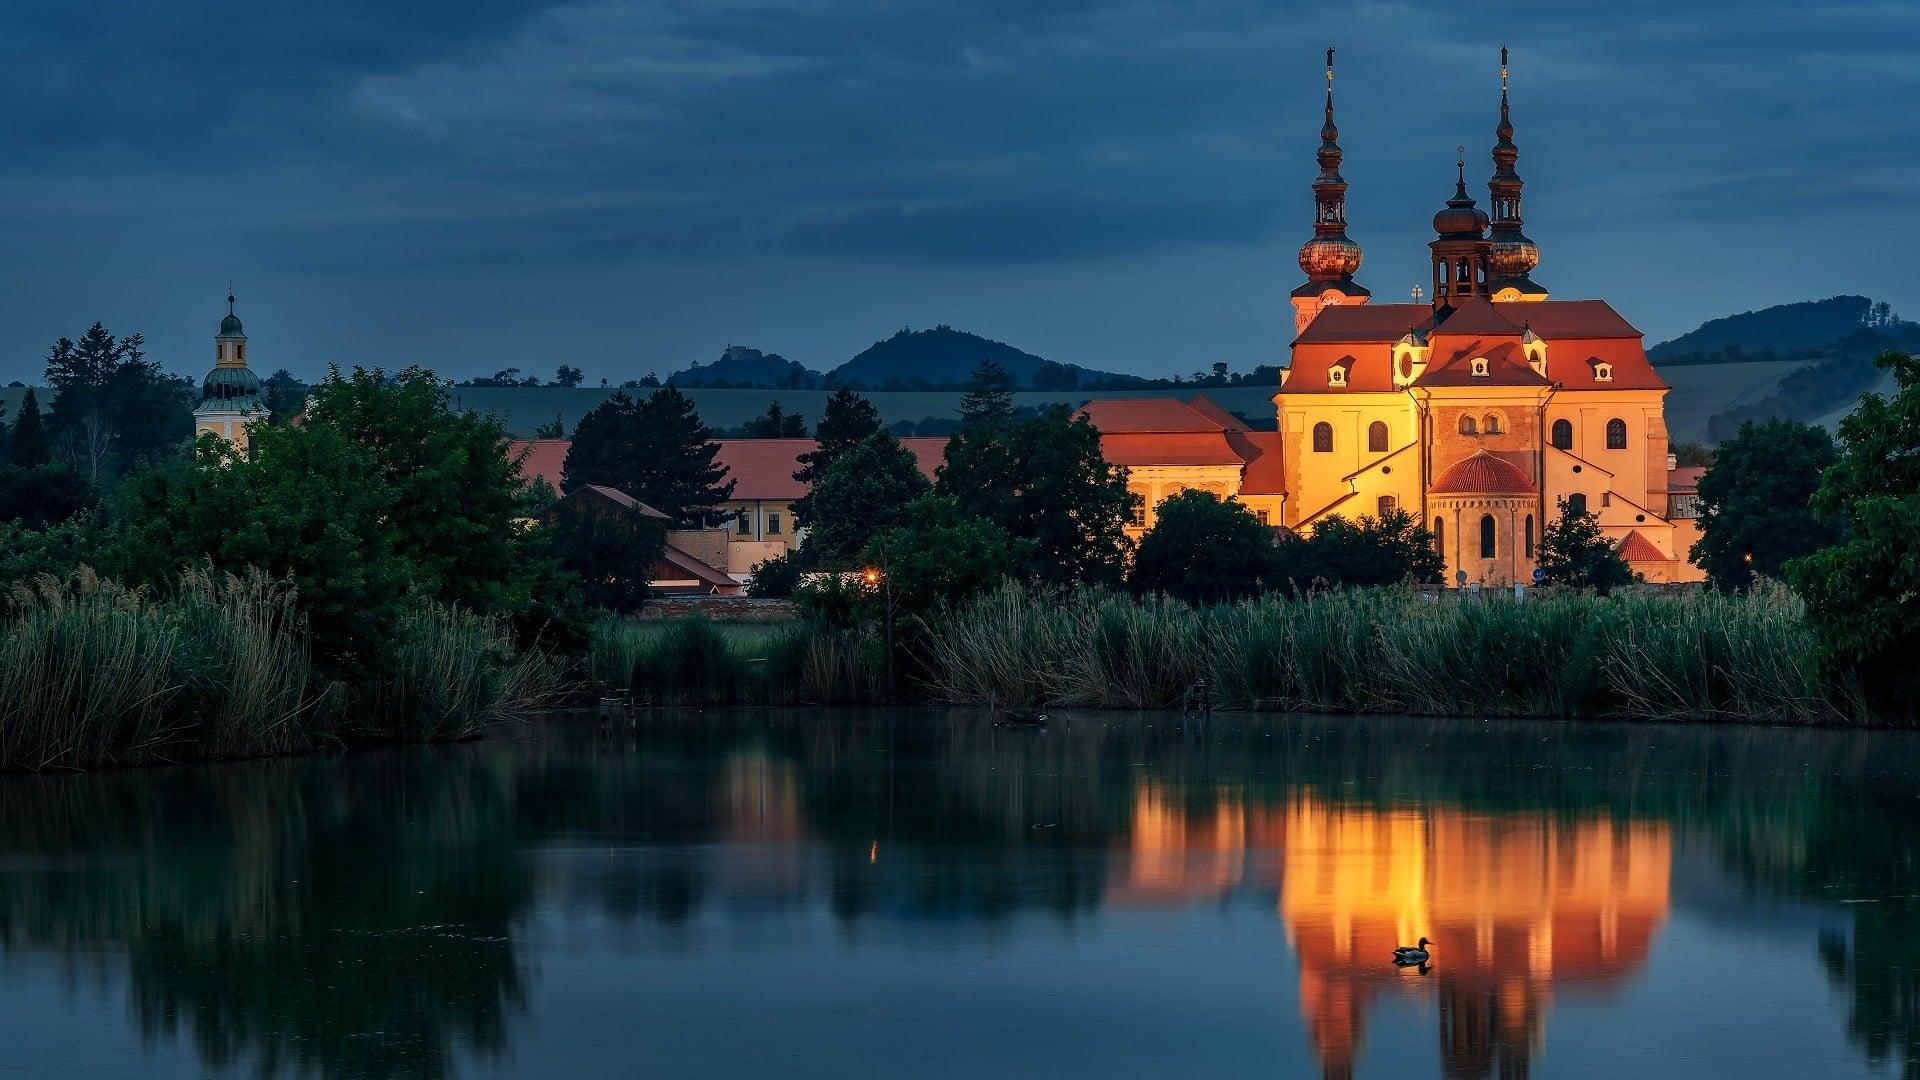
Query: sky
x=633 y=186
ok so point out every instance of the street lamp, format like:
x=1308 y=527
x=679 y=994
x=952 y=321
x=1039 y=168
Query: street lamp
x=875 y=577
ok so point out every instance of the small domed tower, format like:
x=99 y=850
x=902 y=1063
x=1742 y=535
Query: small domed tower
x=230 y=394
x=1330 y=258
x=1460 y=247
x=1510 y=256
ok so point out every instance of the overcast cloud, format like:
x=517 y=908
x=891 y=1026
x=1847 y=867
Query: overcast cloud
x=633 y=186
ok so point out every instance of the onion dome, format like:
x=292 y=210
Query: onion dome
x=1461 y=218
x=230 y=385
x=1331 y=257
x=1511 y=254
x=1482 y=474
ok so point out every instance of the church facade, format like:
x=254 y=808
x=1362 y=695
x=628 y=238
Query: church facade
x=1479 y=410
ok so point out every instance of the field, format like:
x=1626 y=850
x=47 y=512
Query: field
x=1701 y=390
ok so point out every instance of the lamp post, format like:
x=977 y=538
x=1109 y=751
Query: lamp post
x=877 y=577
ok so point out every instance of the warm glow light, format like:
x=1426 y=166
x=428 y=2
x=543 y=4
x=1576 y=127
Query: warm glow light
x=871 y=576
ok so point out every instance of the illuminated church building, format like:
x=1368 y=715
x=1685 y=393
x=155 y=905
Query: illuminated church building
x=1480 y=411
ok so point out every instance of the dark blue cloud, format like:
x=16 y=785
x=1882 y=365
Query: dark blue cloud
x=1100 y=155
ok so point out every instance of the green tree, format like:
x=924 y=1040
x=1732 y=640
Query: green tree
x=114 y=407
x=555 y=428
x=1372 y=551
x=43 y=495
x=1044 y=481
x=657 y=451
x=1574 y=553
x=568 y=376
x=611 y=548
x=989 y=396
x=1756 y=510
x=776 y=578
x=1863 y=593
x=775 y=423
x=455 y=486
x=846 y=422
x=28 y=551
x=27 y=444
x=865 y=493
x=308 y=503
x=940 y=555
x=1204 y=550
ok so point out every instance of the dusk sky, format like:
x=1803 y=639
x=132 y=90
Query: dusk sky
x=630 y=187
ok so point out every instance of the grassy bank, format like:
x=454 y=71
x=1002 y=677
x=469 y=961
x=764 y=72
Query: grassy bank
x=1694 y=657
x=93 y=673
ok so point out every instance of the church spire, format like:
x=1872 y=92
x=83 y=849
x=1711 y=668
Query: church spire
x=1512 y=256
x=1330 y=258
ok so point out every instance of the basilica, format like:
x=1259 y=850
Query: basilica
x=1483 y=409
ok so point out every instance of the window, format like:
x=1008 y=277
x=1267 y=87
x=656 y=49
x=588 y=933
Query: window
x=773 y=524
x=1563 y=434
x=1492 y=424
x=1388 y=504
x=1377 y=437
x=1260 y=516
x=743 y=523
x=1577 y=503
x=1137 y=516
x=1529 y=536
x=1480 y=367
x=1486 y=536
x=1440 y=536
x=1616 y=434
x=1466 y=425
x=1336 y=376
x=1323 y=438
x=1603 y=373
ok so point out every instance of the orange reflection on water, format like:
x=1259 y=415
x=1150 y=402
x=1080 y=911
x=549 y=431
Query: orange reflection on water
x=1515 y=904
x=1175 y=856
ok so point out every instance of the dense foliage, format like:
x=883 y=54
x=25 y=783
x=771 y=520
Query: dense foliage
x=1863 y=593
x=1206 y=551
x=113 y=407
x=1391 y=549
x=1045 y=482
x=989 y=396
x=865 y=493
x=655 y=450
x=1756 y=509
x=610 y=548
x=846 y=422
x=1575 y=554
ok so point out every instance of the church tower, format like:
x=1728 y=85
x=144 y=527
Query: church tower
x=230 y=395
x=1330 y=258
x=1460 y=250
x=1511 y=255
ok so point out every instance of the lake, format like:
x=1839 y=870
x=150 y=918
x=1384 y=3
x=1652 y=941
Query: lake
x=838 y=893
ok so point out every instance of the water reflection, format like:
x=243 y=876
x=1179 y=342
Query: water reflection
x=381 y=914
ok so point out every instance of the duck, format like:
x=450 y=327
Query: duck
x=1412 y=954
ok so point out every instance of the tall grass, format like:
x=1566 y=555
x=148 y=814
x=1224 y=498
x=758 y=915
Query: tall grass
x=1700 y=656
x=94 y=673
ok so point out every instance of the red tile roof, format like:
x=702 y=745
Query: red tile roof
x=760 y=468
x=1211 y=409
x=681 y=562
x=1344 y=323
x=1506 y=366
x=1170 y=448
x=1476 y=318
x=1264 y=474
x=1685 y=478
x=1131 y=415
x=621 y=498
x=1637 y=548
x=1482 y=474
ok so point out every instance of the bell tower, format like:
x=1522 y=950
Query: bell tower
x=230 y=394
x=1511 y=256
x=1330 y=258
x=1460 y=248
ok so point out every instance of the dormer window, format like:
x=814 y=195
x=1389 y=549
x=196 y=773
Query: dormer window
x=1336 y=376
x=1603 y=373
x=1479 y=367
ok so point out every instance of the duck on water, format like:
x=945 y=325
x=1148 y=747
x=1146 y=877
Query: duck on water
x=1407 y=955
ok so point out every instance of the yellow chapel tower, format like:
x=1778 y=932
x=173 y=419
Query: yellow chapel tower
x=230 y=395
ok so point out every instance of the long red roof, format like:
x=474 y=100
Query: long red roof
x=761 y=469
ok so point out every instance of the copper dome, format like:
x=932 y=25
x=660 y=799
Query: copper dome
x=1329 y=258
x=1482 y=474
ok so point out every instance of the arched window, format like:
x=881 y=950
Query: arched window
x=1440 y=536
x=1466 y=424
x=1563 y=434
x=1486 y=536
x=1577 y=503
x=1616 y=434
x=1323 y=438
x=1377 y=437
x=1388 y=504
x=1529 y=548
x=1492 y=424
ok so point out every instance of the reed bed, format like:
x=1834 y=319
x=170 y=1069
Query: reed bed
x=95 y=673
x=1696 y=657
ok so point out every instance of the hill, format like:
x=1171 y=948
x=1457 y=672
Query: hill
x=740 y=366
x=945 y=357
x=1774 y=333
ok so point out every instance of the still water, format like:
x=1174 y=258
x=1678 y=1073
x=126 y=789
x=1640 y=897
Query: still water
x=834 y=894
